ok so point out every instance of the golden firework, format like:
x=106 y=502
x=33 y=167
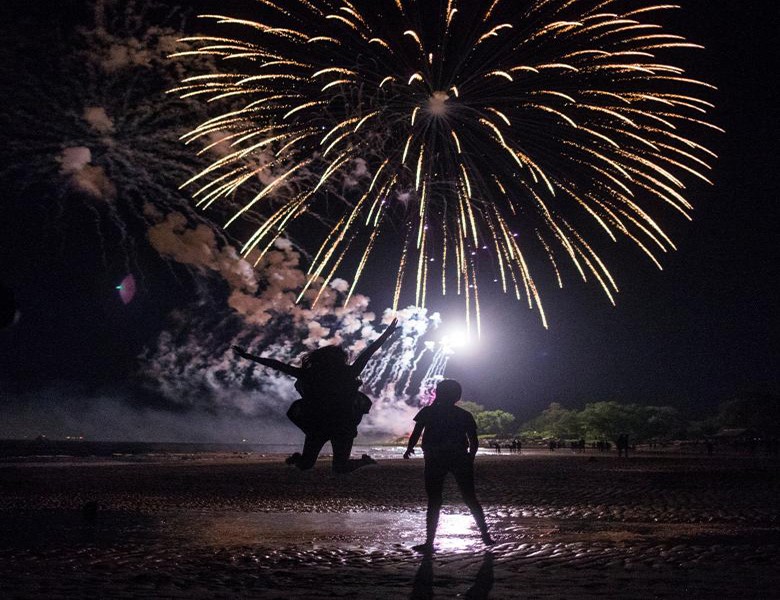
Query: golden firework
x=485 y=130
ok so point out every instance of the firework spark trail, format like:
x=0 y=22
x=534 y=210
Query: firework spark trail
x=394 y=373
x=490 y=132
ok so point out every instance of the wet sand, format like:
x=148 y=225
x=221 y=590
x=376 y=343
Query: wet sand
x=566 y=525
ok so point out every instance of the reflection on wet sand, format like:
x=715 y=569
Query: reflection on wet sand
x=369 y=530
x=424 y=580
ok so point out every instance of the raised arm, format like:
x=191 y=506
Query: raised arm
x=418 y=429
x=362 y=360
x=268 y=362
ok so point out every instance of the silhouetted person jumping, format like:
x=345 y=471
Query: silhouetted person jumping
x=449 y=445
x=331 y=405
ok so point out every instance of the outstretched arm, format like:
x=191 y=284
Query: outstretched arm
x=418 y=429
x=268 y=362
x=362 y=359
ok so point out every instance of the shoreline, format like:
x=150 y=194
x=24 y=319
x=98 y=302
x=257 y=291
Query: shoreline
x=23 y=451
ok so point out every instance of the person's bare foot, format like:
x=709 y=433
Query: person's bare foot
x=426 y=548
x=293 y=458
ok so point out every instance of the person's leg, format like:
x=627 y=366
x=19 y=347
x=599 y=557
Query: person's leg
x=342 y=448
x=435 y=472
x=463 y=471
x=311 y=450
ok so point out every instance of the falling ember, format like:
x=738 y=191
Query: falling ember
x=563 y=129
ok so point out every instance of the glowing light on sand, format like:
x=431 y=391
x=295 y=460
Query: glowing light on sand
x=491 y=133
x=457 y=533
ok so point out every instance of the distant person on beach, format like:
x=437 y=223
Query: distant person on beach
x=622 y=445
x=449 y=445
x=710 y=447
x=331 y=405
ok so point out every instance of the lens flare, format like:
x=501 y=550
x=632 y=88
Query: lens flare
x=490 y=135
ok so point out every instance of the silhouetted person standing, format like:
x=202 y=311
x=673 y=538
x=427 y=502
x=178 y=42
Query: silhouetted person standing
x=331 y=405
x=449 y=444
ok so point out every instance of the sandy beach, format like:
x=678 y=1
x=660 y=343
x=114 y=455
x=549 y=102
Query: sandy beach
x=226 y=526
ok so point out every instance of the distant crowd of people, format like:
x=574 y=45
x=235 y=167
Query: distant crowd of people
x=515 y=446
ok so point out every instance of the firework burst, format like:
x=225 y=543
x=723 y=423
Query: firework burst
x=490 y=131
x=83 y=118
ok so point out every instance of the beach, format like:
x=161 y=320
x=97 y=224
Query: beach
x=245 y=525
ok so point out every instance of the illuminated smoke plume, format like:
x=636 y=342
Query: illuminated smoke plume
x=192 y=364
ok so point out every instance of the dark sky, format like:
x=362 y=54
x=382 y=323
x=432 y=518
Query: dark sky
x=701 y=331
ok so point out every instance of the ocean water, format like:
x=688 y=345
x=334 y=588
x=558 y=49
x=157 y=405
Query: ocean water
x=64 y=449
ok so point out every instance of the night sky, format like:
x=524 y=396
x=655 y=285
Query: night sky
x=702 y=331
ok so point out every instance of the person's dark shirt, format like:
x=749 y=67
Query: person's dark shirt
x=447 y=428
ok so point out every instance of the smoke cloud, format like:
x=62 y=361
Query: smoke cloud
x=69 y=410
x=193 y=366
x=83 y=176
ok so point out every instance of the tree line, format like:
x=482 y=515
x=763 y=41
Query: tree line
x=607 y=420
